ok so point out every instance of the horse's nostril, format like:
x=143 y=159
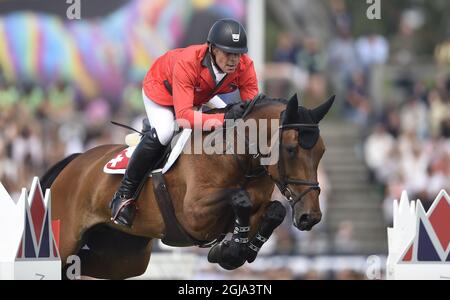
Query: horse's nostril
x=303 y=218
x=307 y=221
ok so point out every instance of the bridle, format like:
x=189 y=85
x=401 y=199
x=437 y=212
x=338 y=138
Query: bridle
x=284 y=181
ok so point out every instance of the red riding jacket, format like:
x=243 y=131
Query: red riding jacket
x=183 y=78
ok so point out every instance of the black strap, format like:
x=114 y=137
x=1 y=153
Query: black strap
x=175 y=234
x=250 y=106
x=168 y=87
x=126 y=126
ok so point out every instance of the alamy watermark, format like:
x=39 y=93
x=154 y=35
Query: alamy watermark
x=73 y=271
x=74 y=10
x=374 y=10
x=373 y=267
x=243 y=137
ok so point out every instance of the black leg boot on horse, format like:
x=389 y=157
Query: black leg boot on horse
x=273 y=217
x=145 y=156
x=232 y=254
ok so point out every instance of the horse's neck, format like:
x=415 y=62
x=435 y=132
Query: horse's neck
x=267 y=119
x=267 y=110
x=260 y=144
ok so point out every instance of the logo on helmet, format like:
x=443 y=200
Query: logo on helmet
x=235 y=37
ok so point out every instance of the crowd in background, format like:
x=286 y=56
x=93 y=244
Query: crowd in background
x=43 y=124
x=405 y=137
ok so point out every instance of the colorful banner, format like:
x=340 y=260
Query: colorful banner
x=99 y=56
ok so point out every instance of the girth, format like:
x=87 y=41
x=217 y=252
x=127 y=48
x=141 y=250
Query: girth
x=175 y=234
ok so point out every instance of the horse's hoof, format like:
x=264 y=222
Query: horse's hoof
x=220 y=254
x=251 y=255
x=230 y=267
x=214 y=254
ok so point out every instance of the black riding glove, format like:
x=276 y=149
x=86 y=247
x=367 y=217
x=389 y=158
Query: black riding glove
x=236 y=111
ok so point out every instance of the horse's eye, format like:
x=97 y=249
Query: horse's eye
x=291 y=150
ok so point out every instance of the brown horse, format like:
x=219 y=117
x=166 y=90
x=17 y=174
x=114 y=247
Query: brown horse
x=209 y=193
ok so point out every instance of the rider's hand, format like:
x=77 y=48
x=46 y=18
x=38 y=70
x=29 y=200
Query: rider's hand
x=236 y=111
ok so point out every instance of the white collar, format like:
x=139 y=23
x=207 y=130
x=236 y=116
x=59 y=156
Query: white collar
x=219 y=75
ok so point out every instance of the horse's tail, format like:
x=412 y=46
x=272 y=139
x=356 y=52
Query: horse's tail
x=50 y=176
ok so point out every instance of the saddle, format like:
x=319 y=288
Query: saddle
x=119 y=163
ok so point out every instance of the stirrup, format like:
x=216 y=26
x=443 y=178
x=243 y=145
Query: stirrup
x=119 y=217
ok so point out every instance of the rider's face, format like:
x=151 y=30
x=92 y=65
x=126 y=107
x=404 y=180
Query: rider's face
x=227 y=62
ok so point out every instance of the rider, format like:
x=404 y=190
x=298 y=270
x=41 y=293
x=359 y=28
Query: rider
x=176 y=82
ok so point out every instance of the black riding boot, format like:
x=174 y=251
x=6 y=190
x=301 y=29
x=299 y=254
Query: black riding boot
x=145 y=156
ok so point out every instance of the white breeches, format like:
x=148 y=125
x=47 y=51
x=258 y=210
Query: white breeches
x=162 y=118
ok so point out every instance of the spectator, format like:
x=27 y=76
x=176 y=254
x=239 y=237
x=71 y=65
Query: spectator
x=372 y=49
x=9 y=96
x=442 y=53
x=341 y=58
x=414 y=118
x=286 y=50
x=378 y=146
x=414 y=164
x=390 y=170
x=61 y=100
x=438 y=175
x=285 y=241
x=357 y=106
x=393 y=191
x=344 y=240
x=341 y=17
x=439 y=110
x=27 y=147
x=445 y=128
x=391 y=120
x=404 y=43
x=312 y=58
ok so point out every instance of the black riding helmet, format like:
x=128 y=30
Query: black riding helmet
x=228 y=35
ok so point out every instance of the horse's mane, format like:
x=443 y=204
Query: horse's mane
x=261 y=100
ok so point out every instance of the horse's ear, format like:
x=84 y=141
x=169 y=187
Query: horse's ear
x=319 y=112
x=291 y=112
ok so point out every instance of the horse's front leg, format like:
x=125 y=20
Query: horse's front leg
x=232 y=254
x=272 y=218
